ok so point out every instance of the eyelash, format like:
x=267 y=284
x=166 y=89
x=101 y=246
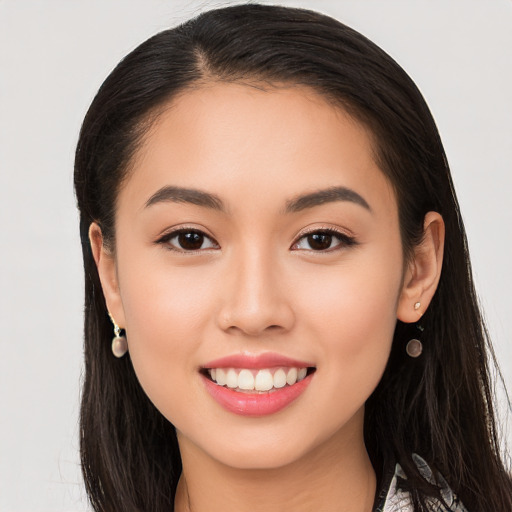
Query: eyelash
x=343 y=239
x=166 y=240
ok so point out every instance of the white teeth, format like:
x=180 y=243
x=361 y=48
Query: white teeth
x=245 y=380
x=232 y=379
x=291 y=377
x=220 y=376
x=280 y=379
x=264 y=380
x=258 y=380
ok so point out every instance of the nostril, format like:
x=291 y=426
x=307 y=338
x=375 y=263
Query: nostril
x=253 y=314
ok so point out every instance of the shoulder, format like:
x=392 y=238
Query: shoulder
x=394 y=499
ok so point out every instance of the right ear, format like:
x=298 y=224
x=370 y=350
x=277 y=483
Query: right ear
x=107 y=271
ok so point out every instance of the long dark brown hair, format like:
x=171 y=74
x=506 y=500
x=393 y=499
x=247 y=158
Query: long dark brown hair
x=439 y=405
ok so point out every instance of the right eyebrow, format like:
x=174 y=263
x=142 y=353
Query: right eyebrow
x=324 y=196
x=185 y=195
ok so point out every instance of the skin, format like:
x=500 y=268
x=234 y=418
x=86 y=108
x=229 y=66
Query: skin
x=257 y=286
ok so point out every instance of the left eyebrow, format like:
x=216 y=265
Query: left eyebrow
x=328 y=195
x=185 y=195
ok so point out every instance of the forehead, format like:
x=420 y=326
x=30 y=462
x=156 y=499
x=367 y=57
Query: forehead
x=264 y=139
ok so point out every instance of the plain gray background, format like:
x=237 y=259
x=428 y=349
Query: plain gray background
x=53 y=57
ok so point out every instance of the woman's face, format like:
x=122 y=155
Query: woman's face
x=256 y=236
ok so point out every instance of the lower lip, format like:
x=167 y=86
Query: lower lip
x=256 y=404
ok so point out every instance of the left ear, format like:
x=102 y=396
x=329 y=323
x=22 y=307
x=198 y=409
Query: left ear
x=423 y=271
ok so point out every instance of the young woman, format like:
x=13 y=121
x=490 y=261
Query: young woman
x=271 y=235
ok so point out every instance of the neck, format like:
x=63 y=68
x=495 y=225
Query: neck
x=336 y=477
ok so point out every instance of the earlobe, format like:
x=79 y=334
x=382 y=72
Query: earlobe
x=424 y=271
x=106 y=265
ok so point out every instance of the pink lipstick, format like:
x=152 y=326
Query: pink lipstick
x=256 y=384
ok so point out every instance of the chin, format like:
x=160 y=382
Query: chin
x=260 y=457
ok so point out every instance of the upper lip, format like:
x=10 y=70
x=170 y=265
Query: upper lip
x=256 y=361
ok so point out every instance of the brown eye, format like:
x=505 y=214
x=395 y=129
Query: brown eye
x=319 y=241
x=189 y=240
x=323 y=241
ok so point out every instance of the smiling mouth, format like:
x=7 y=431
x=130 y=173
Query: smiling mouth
x=257 y=381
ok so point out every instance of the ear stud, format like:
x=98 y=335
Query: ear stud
x=417 y=306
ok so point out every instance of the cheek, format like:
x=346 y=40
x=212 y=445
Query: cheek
x=354 y=335
x=353 y=300
x=166 y=311
x=353 y=316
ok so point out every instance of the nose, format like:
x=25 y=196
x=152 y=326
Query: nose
x=255 y=299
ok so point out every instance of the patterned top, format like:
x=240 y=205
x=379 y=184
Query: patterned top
x=394 y=499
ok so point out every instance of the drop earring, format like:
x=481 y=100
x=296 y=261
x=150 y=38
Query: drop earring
x=414 y=347
x=119 y=343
